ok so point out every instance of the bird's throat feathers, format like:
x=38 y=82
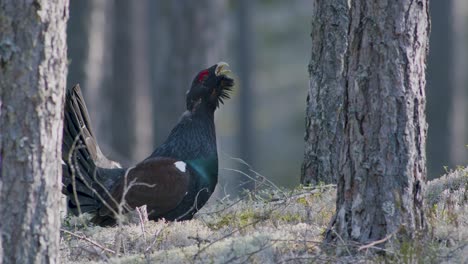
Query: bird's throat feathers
x=194 y=137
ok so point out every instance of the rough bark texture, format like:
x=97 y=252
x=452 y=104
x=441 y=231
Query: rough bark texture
x=194 y=40
x=32 y=82
x=324 y=117
x=382 y=163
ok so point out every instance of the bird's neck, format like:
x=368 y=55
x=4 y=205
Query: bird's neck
x=194 y=137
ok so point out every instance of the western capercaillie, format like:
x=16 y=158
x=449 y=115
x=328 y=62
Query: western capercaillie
x=174 y=182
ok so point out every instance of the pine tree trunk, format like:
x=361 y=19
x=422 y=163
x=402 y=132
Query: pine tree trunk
x=194 y=40
x=246 y=62
x=141 y=79
x=98 y=69
x=122 y=108
x=77 y=41
x=439 y=88
x=324 y=117
x=382 y=163
x=117 y=78
x=459 y=107
x=33 y=68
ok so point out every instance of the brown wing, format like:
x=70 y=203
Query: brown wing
x=155 y=182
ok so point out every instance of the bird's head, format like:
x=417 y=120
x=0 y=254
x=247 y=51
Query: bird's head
x=209 y=88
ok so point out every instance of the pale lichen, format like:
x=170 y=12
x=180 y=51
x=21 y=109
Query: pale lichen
x=279 y=227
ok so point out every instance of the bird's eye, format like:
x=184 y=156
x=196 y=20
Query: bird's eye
x=203 y=75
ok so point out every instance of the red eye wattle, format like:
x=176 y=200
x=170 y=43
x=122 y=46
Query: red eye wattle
x=202 y=76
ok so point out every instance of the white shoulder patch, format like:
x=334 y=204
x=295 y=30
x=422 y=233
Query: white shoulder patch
x=180 y=165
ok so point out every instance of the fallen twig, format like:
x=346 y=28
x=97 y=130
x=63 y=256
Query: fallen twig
x=370 y=245
x=94 y=243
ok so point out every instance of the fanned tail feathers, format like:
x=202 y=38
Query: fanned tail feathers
x=80 y=153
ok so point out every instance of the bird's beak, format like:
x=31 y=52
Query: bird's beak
x=222 y=68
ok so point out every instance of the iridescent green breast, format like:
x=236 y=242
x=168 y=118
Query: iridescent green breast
x=206 y=170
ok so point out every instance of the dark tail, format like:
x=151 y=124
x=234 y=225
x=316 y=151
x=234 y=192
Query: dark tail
x=79 y=155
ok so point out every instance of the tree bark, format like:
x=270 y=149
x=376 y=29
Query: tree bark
x=33 y=69
x=191 y=36
x=378 y=59
x=324 y=114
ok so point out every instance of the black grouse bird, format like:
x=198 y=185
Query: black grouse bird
x=174 y=182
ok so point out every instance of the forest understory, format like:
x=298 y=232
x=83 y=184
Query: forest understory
x=272 y=225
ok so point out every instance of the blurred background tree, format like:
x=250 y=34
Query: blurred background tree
x=447 y=88
x=136 y=59
x=188 y=35
x=459 y=108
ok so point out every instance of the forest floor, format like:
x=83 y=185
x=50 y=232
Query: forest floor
x=272 y=226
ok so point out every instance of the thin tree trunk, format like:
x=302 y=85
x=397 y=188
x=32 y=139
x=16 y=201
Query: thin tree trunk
x=459 y=106
x=77 y=41
x=98 y=69
x=382 y=163
x=246 y=61
x=439 y=88
x=140 y=71
x=33 y=67
x=122 y=109
x=324 y=117
x=194 y=40
x=117 y=78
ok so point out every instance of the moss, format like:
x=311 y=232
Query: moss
x=259 y=230
x=287 y=217
x=224 y=221
x=246 y=217
x=240 y=219
x=303 y=201
x=326 y=215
